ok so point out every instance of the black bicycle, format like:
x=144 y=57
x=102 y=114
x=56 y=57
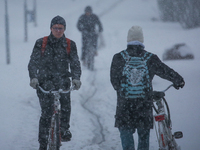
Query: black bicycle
x=54 y=140
x=164 y=134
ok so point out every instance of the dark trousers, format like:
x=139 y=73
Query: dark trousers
x=46 y=103
x=88 y=39
x=127 y=139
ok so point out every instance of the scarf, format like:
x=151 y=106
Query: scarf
x=136 y=43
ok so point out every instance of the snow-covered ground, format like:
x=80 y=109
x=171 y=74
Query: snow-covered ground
x=93 y=106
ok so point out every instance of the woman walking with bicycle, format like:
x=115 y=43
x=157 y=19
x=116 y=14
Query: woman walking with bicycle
x=49 y=65
x=131 y=74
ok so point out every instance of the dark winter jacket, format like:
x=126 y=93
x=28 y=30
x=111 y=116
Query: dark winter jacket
x=87 y=23
x=52 y=68
x=138 y=112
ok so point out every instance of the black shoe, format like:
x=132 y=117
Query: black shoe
x=66 y=136
x=43 y=147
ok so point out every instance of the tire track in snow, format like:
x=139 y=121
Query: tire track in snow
x=99 y=136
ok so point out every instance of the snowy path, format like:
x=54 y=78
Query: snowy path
x=93 y=106
x=86 y=104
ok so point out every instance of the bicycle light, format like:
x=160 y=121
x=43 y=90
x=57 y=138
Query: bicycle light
x=160 y=117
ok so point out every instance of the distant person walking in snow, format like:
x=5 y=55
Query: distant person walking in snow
x=87 y=24
x=49 y=67
x=131 y=74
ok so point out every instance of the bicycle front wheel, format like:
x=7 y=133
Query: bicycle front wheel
x=54 y=142
x=58 y=136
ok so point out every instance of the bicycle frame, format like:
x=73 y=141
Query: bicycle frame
x=165 y=137
x=54 y=139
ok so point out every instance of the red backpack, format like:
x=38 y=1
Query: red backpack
x=44 y=43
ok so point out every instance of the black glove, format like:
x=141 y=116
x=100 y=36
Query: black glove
x=158 y=95
x=179 y=84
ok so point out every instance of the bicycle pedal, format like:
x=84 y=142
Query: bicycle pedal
x=178 y=135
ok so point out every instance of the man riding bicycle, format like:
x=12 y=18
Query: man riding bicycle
x=87 y=25
x=49 y=67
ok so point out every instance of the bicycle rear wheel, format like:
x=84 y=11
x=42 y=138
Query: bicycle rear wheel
x=166 y=107
x=163 y=135
x=166 y=139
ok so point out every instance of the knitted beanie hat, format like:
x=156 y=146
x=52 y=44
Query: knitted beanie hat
x=135 y=33
x=88 y=9
x=58 y=20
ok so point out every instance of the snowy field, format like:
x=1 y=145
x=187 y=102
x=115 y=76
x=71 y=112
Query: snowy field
x=93 y=106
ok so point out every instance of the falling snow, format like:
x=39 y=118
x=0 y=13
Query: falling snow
x=93 y=106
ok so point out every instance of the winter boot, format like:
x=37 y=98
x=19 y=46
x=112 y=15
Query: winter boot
x=66 y=135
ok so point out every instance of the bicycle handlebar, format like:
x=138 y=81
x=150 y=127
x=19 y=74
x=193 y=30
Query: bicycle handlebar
x=157 y=95
x=167 y=88
x=53 y=92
